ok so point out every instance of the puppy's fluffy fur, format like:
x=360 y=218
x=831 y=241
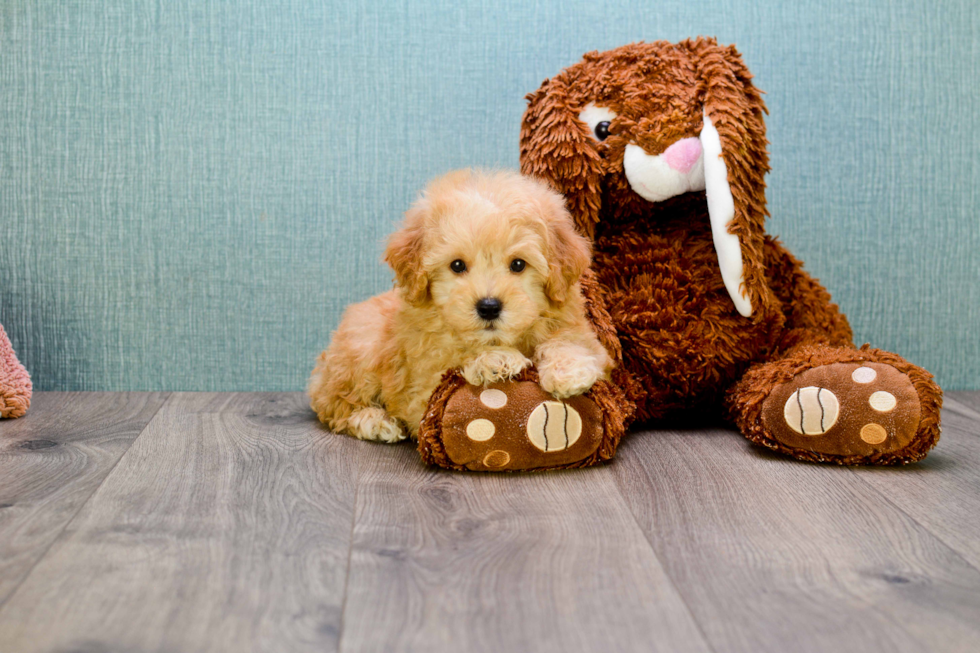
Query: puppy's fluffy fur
x=390 y=352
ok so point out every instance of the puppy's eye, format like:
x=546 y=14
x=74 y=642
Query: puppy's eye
x=518 y=265
x=598 y=120
x=458 y=266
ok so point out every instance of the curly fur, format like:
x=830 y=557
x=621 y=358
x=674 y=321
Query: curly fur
x=390 y=352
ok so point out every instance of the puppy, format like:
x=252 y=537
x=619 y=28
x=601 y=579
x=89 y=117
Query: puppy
x=486 y=279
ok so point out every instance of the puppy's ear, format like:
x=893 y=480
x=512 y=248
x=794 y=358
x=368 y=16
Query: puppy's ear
x=569 y=253
x=404 y=255
x=556 y=147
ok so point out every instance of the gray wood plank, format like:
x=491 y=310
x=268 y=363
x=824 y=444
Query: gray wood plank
x=967 y=398
x=942 y=493
x=52 y=460
x=448 y=561
x=225 y=527
x=771 y=554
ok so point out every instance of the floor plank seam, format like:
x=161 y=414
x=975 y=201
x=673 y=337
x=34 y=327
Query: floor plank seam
x=962 y=409
x=653 y=551
x=350 y=555
x=915 y=521
x=82 y=505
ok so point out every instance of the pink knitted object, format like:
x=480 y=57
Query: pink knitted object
x=15 y=384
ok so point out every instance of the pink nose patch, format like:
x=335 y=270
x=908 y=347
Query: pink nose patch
x=682 y=155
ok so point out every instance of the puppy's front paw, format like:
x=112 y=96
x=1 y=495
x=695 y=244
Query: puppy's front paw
x=495 y=365
x=568 y=377
x=375 y=424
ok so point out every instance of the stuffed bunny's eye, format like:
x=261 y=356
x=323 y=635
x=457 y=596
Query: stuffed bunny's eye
x=598 y=119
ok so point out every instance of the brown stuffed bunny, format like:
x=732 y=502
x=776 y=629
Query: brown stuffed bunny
x=660 y=151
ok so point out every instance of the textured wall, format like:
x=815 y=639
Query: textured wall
x=191 y=192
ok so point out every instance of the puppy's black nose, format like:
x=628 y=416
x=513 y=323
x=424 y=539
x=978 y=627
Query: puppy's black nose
x=489 y=308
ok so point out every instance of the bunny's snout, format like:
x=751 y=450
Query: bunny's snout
x=679 y=169
x=682 y=155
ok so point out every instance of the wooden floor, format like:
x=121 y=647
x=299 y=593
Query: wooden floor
x=232 y=522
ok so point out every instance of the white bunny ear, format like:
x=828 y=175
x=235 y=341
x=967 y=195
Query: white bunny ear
x=721 y=210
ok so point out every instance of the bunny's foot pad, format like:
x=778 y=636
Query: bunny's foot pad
x=846 y=409
x=845 y=406
x=517 y=426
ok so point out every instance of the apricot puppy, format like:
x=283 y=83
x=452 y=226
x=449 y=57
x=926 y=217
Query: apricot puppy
x=487 y=269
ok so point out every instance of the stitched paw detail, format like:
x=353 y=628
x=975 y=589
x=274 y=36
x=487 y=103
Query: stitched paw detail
x=554 y=426
x=480 y=430
x=516 y=425
x=844 y=409
x=811 y=410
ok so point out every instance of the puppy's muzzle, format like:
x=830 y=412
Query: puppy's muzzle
x=489 y=308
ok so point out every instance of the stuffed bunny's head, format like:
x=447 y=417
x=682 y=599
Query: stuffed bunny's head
x=625 y=130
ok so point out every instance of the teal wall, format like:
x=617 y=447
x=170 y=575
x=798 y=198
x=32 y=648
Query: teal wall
x=191 y=192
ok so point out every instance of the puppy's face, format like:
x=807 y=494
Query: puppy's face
x=490 y=253
x=487 y=272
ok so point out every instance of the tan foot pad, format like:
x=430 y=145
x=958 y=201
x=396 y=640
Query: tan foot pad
x=844 y=409
x=515 y=426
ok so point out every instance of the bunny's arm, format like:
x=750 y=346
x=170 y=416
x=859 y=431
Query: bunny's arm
x=811 y=317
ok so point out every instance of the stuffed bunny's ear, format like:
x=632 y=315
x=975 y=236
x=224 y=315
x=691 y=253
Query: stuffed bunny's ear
x=734 y=143
x=556 y=147
x=721 y=211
